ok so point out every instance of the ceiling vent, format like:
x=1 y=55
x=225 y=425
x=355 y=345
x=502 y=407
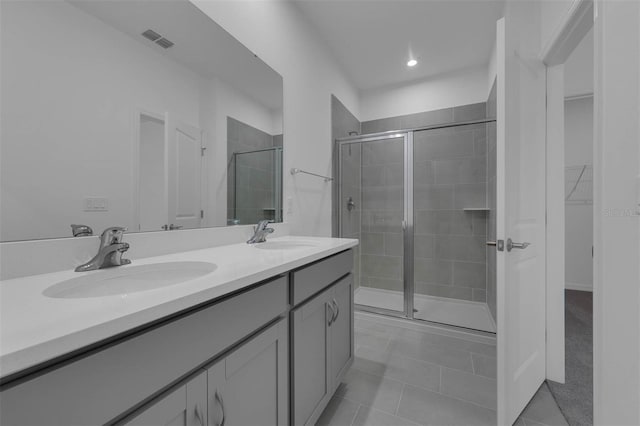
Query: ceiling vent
x=164 y=43
x=151 y=35
x=157 y=39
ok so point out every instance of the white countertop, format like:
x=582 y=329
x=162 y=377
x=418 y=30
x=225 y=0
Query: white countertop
x=35 y=328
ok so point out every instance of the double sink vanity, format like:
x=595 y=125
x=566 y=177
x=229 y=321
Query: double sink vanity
x=166 y=135
x=241 y=334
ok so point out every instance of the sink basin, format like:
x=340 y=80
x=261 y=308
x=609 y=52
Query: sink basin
x=284 y=245
x=128 y=279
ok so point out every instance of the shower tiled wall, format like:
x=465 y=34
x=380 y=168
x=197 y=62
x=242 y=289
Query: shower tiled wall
x=457 y=114
x=454 y=170
x=449 y=243
x=382 y=214
x=451 y=173
x=255 y=185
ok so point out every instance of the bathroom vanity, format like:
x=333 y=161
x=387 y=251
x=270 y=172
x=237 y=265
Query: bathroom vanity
x=264 y=338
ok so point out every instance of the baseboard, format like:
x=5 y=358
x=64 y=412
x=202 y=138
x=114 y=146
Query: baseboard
x=578 y=286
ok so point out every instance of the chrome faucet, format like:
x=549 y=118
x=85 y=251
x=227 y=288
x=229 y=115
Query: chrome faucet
x=81 y=230
x=110 y=251
x=260 y=232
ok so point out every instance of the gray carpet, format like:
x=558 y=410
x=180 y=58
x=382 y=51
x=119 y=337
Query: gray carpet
x=575 y=397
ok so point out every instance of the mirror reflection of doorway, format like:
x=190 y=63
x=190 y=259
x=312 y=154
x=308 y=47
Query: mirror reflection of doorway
x=152 y=195
x=170 y=157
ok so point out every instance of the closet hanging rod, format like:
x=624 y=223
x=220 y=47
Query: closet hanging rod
x=295 y=171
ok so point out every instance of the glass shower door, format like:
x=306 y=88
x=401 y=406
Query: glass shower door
x=256 y=186
x=372 y=197
x=452 y=207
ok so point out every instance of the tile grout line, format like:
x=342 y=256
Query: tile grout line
x=433 y=330
x=399 y=399
x=404 y=384
x=416 y=360
x=355 y=415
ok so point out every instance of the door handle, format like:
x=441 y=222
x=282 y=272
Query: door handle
x=199 y=416
x=333 y=313
x=511 y=245
x=221 y=402
x=335 y=303
x=351 y=204
x=498 y=244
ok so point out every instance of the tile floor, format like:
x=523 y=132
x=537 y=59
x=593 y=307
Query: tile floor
x=405 y=374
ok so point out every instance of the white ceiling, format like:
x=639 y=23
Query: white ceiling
x=201 y=45
x=373 y=39
x=578 y=70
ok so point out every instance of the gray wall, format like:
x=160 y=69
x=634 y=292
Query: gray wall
x=428 y=118
x=255 y=185
x=343 y=122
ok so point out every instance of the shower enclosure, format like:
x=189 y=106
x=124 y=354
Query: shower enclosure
x=255 y=182
x=420 y=203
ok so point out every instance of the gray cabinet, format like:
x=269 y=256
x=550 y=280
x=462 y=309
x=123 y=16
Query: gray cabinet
x=184 y=406
x=100 y=386
x=322 y=349
x=341 y=348
x=250 y=385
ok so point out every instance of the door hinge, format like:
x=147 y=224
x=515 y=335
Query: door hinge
x=201 y=214
x=202 y=150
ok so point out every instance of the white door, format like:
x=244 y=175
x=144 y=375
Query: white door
x=520 y=209
x=185 y=173
x=152 y=191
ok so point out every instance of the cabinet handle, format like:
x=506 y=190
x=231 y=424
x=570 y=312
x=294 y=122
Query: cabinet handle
x=221 y=402
x=333 y=313
x=199 y=416
x=337 y=310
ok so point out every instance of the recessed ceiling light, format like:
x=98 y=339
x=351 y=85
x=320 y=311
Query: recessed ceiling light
x=412 y=63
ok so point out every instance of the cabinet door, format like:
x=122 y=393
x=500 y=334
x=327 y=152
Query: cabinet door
x=250 y=386
x=184 y=406
x=311 y=381
x=341 y=330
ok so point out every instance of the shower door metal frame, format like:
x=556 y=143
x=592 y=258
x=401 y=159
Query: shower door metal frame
x=407 y=221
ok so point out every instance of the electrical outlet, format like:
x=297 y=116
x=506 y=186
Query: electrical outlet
x=95 y=204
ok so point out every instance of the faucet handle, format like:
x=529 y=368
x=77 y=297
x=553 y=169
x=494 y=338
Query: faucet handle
x=81 y=230
x=112 y=235
x=262 y=225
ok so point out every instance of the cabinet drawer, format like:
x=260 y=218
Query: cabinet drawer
x=97 y=388
x=311 y=279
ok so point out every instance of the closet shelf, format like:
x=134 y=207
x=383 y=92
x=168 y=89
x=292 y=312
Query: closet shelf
x=476 y=209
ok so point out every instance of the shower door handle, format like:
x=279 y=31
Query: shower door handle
x=351 y=204
x=511 y=245
x=498 y=244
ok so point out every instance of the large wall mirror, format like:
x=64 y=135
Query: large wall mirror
x=136 y=113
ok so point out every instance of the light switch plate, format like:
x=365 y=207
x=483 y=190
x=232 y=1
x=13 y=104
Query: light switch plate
x=95 y=204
